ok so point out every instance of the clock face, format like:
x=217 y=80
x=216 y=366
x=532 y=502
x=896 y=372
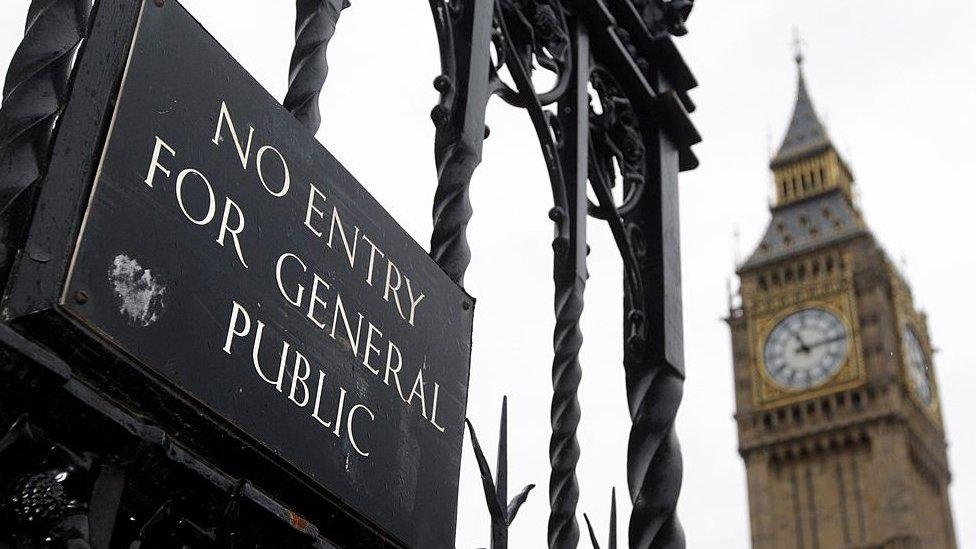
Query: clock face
x=918 y=367
x=806 y=349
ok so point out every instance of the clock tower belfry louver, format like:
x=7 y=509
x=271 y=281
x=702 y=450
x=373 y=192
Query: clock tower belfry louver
x=837 y=404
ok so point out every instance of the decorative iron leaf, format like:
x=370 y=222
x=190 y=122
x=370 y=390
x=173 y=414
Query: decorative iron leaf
x=589 y=526
x=612 y=544
x=488 y=483
x=550 y=36
x=613 y=519
x=517 y=502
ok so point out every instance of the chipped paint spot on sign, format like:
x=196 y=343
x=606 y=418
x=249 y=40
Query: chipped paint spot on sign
x=141 y=294
x=297 y=521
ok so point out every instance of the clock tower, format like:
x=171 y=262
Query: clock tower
x=837 y=404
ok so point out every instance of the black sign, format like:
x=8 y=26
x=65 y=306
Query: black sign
x=227 y=251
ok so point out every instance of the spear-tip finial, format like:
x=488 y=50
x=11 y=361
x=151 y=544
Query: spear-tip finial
x=797 y=46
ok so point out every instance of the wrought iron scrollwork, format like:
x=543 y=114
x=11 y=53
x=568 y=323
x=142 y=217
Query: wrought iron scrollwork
x=527 y=32
x=666 y=16
x=618 y=157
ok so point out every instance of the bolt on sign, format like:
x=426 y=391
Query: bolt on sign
x=224 y=252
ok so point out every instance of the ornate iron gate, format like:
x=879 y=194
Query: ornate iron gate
x=617 y=115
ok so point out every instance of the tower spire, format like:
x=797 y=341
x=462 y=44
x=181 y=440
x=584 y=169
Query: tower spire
x=807 y=163
x=806 y=133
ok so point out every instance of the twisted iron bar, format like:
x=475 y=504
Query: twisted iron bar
x=564 y=449
x=569 y=275
x=34 y=93
x=560 y=138
x=464 y=36
x=315 y=24
x=654 y=392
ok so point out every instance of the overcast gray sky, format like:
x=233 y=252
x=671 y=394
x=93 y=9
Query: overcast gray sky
x=894 y=81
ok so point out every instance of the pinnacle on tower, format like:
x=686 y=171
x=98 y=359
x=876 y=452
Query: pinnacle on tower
x=806 y=134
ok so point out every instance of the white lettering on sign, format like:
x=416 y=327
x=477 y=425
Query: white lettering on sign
x=323 y=306
x=307 y=288
x=300 y=391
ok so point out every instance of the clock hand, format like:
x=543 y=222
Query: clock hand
x=803 y=346
x=826 y=341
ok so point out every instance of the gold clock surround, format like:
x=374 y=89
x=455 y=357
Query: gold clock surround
x=931 y=407
x=909 y=317
x=851 y=372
